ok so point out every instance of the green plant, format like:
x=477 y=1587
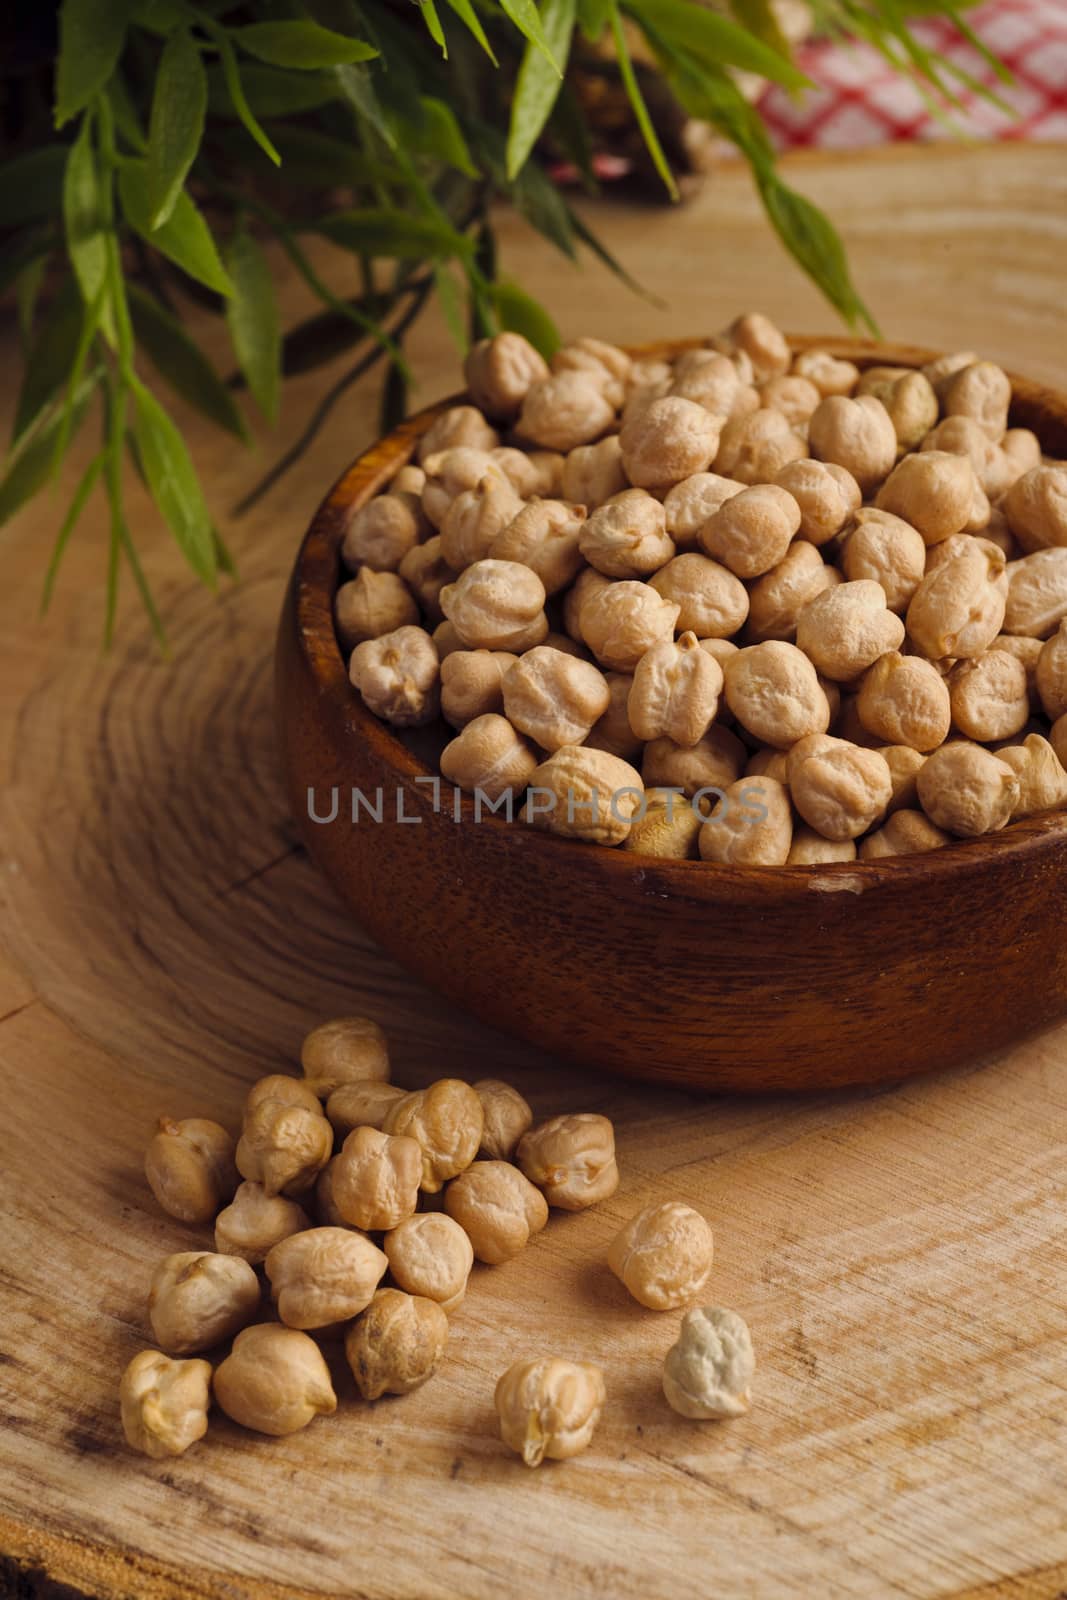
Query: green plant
x=164 y=141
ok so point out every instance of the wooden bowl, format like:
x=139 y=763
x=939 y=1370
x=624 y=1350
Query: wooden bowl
x=705 y=976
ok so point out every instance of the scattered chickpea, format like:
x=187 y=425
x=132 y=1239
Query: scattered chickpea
x=498 y=1208
x=198 y=1299
x=554 y=698
x=190 y=1168
x=708 y=1373
x=663 y=1255
x=164 y=1403
x=752 y=826
x=446 y=1121
x=323 y=1275
x=675 y=692
x=506 y=1118
x=430 y=1255
x=397 y=674
x=497 y=605
x=670 y=439
x=274 y=1380
x=255 y=1221
x=627 y=536
x=549 y=1408
x=396 y=1344
x=376 y=1178
x=361 y=1105
x=284 y=1146
x=489 y=756
x=839 y=789
x=345 y=1050
x=966 y=790
x=667 y=828
x=571 y=1159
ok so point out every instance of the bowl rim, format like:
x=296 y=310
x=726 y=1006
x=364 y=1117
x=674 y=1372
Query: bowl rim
x=316 y=577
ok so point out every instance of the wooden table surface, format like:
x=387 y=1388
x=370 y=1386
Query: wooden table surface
x=899 y=1254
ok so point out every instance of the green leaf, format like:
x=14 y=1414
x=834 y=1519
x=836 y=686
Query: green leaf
x=568 y=127
x=355 y=84
x=758 y=18
x=252 y=318
x=160 y=16
x=593 y=18
x=181 y=363
x=173 y=482
x=518 y=313
x=300 y=44
x=50 y=359
x=433 y=25
x=544 y=208
x=448 y=295
x=177 y=124
x=28 y=469
x=538 y=83
x=812 y=240
x=714 y=39
x=28 y=282
x=91 y=36
x=86 y=485
x=384 y=232
x=124 y=112
x=238 y=99
x=31 y=185
x=184 y=238
x=82 y=214
x=526 y=17
x=469 y=18
x=440 y=135
x=321 y=160
x=269 y=92
x=637 y=102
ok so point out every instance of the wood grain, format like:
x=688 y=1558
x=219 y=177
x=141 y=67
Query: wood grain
x=900 y=1255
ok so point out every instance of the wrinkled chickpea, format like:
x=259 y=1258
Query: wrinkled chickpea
x=376 y=1178
x=549 y=1408
x=197 y=1299
x=754 y=448
x=773 y=691
x=430 y=1255
x=827 y=495
x=360 y=1105
x=667 y=827
x=751 y=532
x=607 y=363
x=398 y=676
x=904 y=700
x=627 y=536
x=752 y=826
x=475 y=519
x=675 y=692
x=941 y=371
x=962 y=436
x=776 y=599
x=828 y=373
x=397 y=1343
x=668 y=440
x=255 y=1221
x=565 y=410
x=989 y=695
x=497 y=1207
x=284 y=1146
x=768 y=763
x=546 y=537
x=410 y=479
x=1037 y=593
x=663 y=1255
x=707 y=378
x=810 y=849
x=499 y=373
x=708 y=1372
x=506 y=1118
x=274 y=1381
x=592 y=473
x=763 y=344
x=1028 y=651
x=711 y=601
x=1036 y=507
x=581 y=793
x=586 y=584
x=931 y=490
x=689 y=504
x=446 y=1121
x=856 y=434
x=982 y=392
x=612 y=733
x=489 y=757
x=571 y=1159
x=1050 y=675
x=840 y=789
x=451 y=474
x=1042 y=779
x=713 y=763
x=323 y=1276
x=282 y=1086
x=460 y=427
x=382 y=531
x=344 y=1050
x=497 y=605
x=883 y=548
x=1023 y=450
x=554 y=698
x=164 y=1404
x=426 y=572
x=326 y=1212
x=472 y=684
x=958 y=608
x=966 y=790
x=905 y=833
x=620 y=621
x=794 y=397
x=533 y=474
x=190 y=1167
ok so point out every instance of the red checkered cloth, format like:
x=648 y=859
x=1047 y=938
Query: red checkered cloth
x=858 y=100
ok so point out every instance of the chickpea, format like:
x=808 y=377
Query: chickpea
x=622 y=620
x=675 y=692
x=713 y=763
x=663 y=1255
x=586 y=584
x=1036 y=508
x=962 y=436
x=549 y=1408
x=571 y=1159
x=905 y=833
x=1028 y=651
x=475 y=519
x=1058 y=740
x=533 y=474
x=958 y=608
x=381 y=532
x=1042 y=779
x=554 y=698
x=839 y=789
x=164 y=1404
x=497 y=1207
x=431 y=1256
x=751 y=532
x=707 y=378
x=826 y=494
x=376 y=1179
x=610 y=366
x=768 y=763
x=283 y=1146
x=1051 y=674
x=910 y=400
x=720 y=650
x=409 y=479
x=283 y=1087
x=689 y=504
x=446 y=1120
x=1037 y=593
x=584 y=794
x=446 y=641
x=755 y=448
x=967 y=790
x=667 y=441
x=982 y=392
x=569 y=646
x=1023 y=450
x=592 y=473
x=648 y=370
x=856 y=434
x=507 y=1117
x=565 y=410
x=933 y=491
x=361 y=1105
x=777 y=598
x=627 y=536
x=885 y=549
x=460 y=427
x=810 y=849
x=668 y=827
x=499 y=373
x=345 y=1050
x=190 y=1168
x=489 y=757
x=941 y=371
x=773 y=691
x=904 y=700
x=398 y=676
x=829 y=374
x=708 y=1373
x=763 y=344
x=497 y=605
x=472 y=684
x=711 y=601
x=323 y=1275
x=326 y=1211
x=450 y=474
x=198 y=1299
x=426 y=572
x=752 y=826
x=612 y=733
x=274 y=1381
x=546 y=537
x=794 y=397
x=254 y=1222
x=990 y=698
